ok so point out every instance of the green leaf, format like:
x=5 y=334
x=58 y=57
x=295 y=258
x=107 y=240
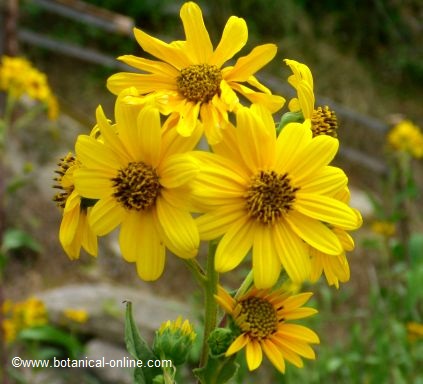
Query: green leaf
x=217 y=370
x=139 y=349
x=14 y=238
x=51 y=335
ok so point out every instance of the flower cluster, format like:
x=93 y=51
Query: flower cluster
x=18 y=78
x=265 y=194
x=21 y=315
x=406 y=137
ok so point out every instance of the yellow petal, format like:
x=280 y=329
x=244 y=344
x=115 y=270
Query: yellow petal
x=315 y=233
x=106 y=215
x=94 y=154
x=274 y=355
x=293 y=253
x=170 y=53
x=177 y=170
x=234 y=245
x=94 y=184
x=250 y=64
x=89 y=239
x=68 y=226
x=257 y=141
x=179 y=229
x=188 y=118
x=326 y=181
x=326 y=209
x=234 y=37
x=196 y=33
x=214 y=224
x=148 y=135
x=140 y=242
x=296 y=331
x=266 y=265
x=144 y=83
x=289 y=144
x=156 y=67
x=253 y=354
x=237 y=344
x=317 y=154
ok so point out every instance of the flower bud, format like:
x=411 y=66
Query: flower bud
x=219 y=341
x=174 y=340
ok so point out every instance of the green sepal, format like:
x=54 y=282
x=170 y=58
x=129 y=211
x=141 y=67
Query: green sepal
x=217 y=371
x=289 y=117
x=139 y=349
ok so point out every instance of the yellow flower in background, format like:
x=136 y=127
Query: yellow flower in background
x=75 y=231
x=18 y=77
x=414 y=331
x=191 y=77
x=22 y=314
x=76 y=315
x=262 y=317
x=274 y=195
x=140 y=176
x=383 y=227
x=406 y=137
x=323 y=120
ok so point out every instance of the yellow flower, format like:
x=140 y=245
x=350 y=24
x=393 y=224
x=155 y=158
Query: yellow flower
x=76 y=315
x=415 y=331
x=406 y=137
x=323 y=120
x=190 y=77
x=18 y=77
x=262 y=317
x=75 y=231
x=140 y=176
x=271 y=194
x=383 y=227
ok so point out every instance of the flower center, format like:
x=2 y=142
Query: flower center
x=258 y=317
x=136 y=186
x=199 y=82
x=324 y=122
x=67 y=188
x=269 y=196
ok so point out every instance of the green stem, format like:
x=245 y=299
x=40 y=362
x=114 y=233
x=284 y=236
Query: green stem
x=210 y=302
x=197 y=271
x=245 y=285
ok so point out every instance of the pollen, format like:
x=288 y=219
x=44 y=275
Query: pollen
x=199 y=82
x=257 y=317
x=136 y=186
x=324 y=122
x=269 y=196
x=67 y=187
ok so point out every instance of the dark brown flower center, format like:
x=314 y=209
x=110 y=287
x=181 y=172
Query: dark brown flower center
x=136 y=186
x=324 y=122
x=257 y=317
x=199 y=82
x=63 y=165
x=269 y=196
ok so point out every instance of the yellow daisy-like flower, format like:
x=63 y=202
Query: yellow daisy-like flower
x=323 y=120
x=76 y=315
x=407 y=137
x=191 y=77
x=383 y=227
x=414 y=331
x=271 y=194
x=262 y=318
x=139 y=174
x=75 y=231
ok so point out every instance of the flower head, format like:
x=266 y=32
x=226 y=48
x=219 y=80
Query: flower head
x=76 y=315
x=174 y=340
x=139 y=175
x=75 y=231
x=323 y=120
x=18 y=77
x=383 y=227
x=407 y=137
x=262 y=318
x=190 y=78
x=274 y=195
